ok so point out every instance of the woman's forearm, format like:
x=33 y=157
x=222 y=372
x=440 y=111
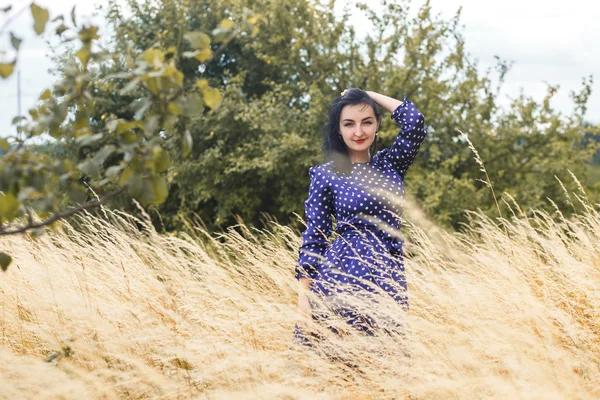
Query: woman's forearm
x=305 y=282
x=389 y=103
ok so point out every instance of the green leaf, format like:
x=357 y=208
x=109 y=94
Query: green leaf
x=5 y=261
x=174 y=75
x=154 y=57
x=40 y=18
x=84 y=55
x=198 y=40
x=87 y=34
x=192 y=105
x=113 y=171
x=174 y=108
x=124 y=126
x=73 y=19
x=4 y=145
x=202 y=84
x=162 y=159
x=15 y=41
x=86 y=140
x=219 y=34
x=151 y=125
x=103 y=154
x=200 y=55
x=227 y=24
x=144 y=106
x=6 y=70
x=89 y=168
x=203 y=55
x=67 y=165
x=171 y=50
x=34 y=114
x=61 y=29
x=186 y=144
x=131 y=86
x=212 y=97
x=54 y=130
x=125 y=175
x=82 y=119
x=140 y=188
x=153 y=84
x=9 y=206
x=46 y=95
x=18 y=119
x=161 y=190
x=118 y=75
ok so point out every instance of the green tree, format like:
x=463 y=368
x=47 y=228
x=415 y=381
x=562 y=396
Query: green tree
x=250 y=157
x=137 y=138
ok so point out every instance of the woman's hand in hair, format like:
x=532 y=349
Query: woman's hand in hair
x=389 y=103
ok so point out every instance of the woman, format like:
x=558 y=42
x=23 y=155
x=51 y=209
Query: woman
x=357 y=188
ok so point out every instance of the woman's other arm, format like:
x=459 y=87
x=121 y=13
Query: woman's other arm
x=319 y=208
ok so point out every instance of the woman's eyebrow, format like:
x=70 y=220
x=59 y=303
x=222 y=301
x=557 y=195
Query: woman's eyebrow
x=351 y=120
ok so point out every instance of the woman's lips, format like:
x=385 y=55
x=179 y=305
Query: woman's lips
x=360 y=141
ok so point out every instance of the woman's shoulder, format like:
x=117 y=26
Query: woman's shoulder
x=322 y=171
x=326 y=166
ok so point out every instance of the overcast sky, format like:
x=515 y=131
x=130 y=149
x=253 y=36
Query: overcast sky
x=548 y=41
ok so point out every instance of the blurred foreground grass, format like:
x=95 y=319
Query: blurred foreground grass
x=115 y=311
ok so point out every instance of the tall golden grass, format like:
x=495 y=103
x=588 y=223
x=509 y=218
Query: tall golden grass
x=116 y=310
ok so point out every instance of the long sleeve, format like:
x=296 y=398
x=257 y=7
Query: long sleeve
x=319 y=207
x=409 y=139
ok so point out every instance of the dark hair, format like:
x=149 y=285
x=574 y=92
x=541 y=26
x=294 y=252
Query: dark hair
x=334 y=147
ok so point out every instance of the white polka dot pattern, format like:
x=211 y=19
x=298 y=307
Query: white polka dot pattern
x=363 y=254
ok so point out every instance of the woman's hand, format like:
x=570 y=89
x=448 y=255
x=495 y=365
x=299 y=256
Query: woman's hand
x=304 y=310
x=389 y=103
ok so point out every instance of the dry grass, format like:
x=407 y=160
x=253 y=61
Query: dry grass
x=151 y=316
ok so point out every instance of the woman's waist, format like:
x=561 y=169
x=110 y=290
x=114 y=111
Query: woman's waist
x=380 y=231
x=368 y=223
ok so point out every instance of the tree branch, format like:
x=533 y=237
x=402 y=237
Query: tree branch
x=66 y=214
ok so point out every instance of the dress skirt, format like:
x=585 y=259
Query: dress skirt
x=360 y=272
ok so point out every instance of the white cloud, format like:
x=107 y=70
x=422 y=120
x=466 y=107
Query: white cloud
x=548 y=40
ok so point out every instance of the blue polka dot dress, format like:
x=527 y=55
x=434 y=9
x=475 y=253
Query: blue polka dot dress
x=365 y=256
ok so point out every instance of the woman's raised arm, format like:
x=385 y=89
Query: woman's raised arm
x=389 y=103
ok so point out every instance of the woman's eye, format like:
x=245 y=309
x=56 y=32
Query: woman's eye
x=347 y=125
x=368 y=122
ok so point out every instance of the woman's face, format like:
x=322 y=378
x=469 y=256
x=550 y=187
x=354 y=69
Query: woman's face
x=358 y=125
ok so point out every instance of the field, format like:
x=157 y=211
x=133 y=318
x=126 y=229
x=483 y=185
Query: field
x=115 y=310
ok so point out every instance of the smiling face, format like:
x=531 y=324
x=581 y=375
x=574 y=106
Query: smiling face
x=358 y=125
